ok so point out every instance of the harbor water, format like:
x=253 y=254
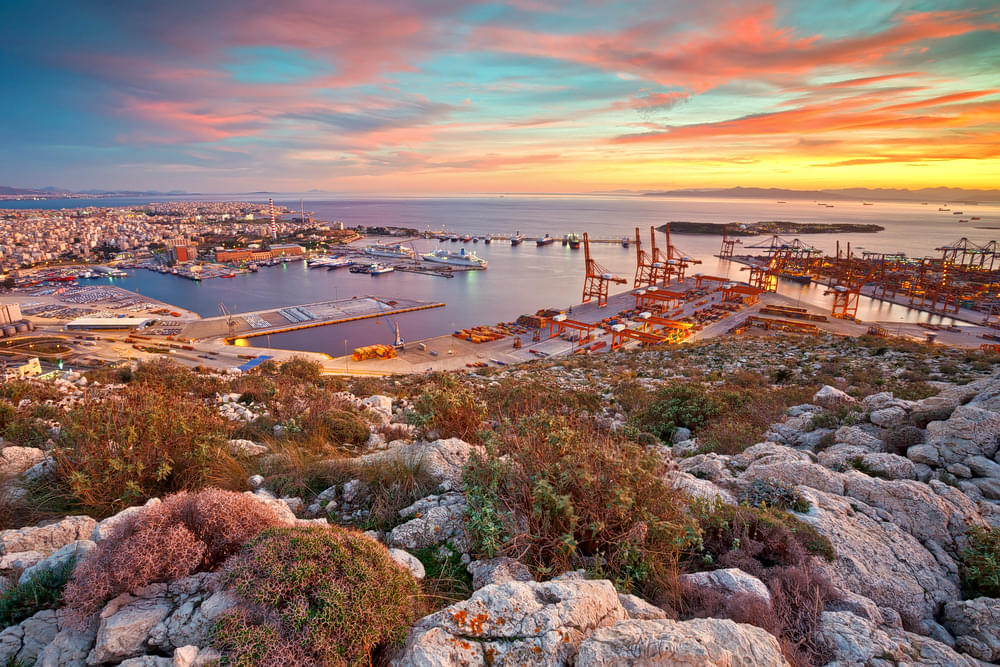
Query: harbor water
x=525 y=278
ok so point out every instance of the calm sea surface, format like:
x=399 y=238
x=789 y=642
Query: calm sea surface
x=525 y=278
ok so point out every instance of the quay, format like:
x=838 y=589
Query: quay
x=292 y=318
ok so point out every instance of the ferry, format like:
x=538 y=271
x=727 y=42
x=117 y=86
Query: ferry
x=574 y=241
x=319 y=262
x=516 y=239
x=393 y=251
x=460 y=258
x=372 y=269
x=338 y=263
x=545 y=240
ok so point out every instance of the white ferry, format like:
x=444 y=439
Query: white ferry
x=460 y=258
x=372 y=269
x=394 y=251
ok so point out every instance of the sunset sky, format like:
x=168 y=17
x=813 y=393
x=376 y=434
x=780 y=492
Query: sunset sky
x=525 y=96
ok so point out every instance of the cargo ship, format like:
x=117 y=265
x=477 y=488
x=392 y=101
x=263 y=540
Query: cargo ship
x=545 y=240
x=372 y=269
x=394 y=251
x=516 y=239
x=574 y=241
x=460 y=258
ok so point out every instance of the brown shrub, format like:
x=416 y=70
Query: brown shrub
x=318 y=595
x=558 y=494
x=184 y=534
x=142 y=443
x=450 y=408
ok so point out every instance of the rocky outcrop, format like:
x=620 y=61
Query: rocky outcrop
x=701 y=641
x=73 y=551
x=853 y=640
x=21 y=643
x=515 y=623
x=497 y=571
x=440 y=461
x=46 y=539
x=436 y=520
x=730 y=581
x=976 y=627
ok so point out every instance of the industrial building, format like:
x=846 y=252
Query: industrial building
x=108 y=323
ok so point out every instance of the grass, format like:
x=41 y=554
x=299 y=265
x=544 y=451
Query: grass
x=43 y=591
x=446 y=580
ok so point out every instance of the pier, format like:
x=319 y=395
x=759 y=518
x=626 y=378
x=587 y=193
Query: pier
x=293 y=318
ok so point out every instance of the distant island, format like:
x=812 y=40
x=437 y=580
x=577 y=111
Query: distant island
x=769 y=227
x=954 y=195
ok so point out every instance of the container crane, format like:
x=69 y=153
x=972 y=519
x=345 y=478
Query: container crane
x=728 y=244
x=595 y=285
x=647 y=269
x=230 y=320
x=677 y=261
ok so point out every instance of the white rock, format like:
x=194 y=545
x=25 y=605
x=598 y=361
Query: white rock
x=248 y=448
x=410 y=562
x=729 y=582
x=73 y=550
x=48 y=538
x=829 y=397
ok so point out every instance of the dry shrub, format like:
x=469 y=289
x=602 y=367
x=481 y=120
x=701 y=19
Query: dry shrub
x=141 y=443
x=317 y=595
x=558 y=494
x=183 y=534
x=511 y=399
x=450 y=408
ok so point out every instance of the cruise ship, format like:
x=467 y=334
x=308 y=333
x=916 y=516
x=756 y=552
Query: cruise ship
x=460 y=258
x=372 y=269
x=394 y=251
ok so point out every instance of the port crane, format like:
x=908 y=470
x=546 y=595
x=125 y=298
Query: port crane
x=230 y=320
x=595 y=285
x=728 y=244
x=647 y=268
x=676 y=261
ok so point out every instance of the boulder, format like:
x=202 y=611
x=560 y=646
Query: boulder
x=976 y=627
x=437 y=519
x=124 y=628
x=638 y=609
x=888 y=417
x=15 y=460
x=700 y=641
x=247 y=448
x=46 y=538
x=440 y=461
x=730 y=581
x=980 y=466
x=515 y=623
x=410 y=562
x=680 y=435
x=497 y=571
x=969 y=431
x=830 y=397
x=854 y=435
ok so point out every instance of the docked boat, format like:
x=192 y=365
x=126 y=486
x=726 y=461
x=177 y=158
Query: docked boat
x=574 y=241
x=338 y=263
x=517 y=239
x=487 y=239
x=393 y=251
x=460 y=258
x=957 y=213
x=545 y=240
x=372 y=269
x=453 y=238
x=626 y=242
x=228 y=275
x=466 y=238
x=319 y=262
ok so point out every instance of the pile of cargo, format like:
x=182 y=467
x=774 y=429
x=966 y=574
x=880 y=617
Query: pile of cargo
x=377 y=351
x=539 y=319
x=481 y=334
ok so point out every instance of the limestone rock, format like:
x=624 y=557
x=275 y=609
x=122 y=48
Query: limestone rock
x=73 y=550
x=729 y=581
x=437 y=519
x=877 y=559
x=21 y=643
x=829 y=397
x=888 y=417
x=854 y=640
x=248 y=448
x=638 y=609
x=854 y=435
x=123 y=632
x=70 y=646
x=441 y=461
x=410 y=562
x=47 y=538
x=497 y=571
x=16 y=460
x=976 y=627
x=515 y=623
x=700 y=641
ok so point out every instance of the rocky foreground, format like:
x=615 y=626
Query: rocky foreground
x=894 y=485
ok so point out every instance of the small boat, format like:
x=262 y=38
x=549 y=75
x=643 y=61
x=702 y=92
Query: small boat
x=957 y=213
x=574 y=241
x=488 y=239
x=866 y=203
x=453 y=238
x=228 y=275
x=975 y=217
x=626 y=242
x=544 y=240
x=466 y=238
x=944 y=209
x=517 y=239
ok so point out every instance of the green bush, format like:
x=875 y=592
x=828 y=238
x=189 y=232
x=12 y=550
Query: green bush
x=685 y=405
x=981 y=563
x=559 y=494
x=450 y=408
x=141 y=443
x=341 y=427
x=318 y=595
x=44 y=591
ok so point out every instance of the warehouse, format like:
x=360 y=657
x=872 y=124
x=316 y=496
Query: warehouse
x=108 y=323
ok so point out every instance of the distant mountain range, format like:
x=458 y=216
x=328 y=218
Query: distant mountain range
x=51 y=191
x=865 y=194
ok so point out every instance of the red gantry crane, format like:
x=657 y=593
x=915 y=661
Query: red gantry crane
x=595 y=285
x=728 y=244
x=648 y=269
